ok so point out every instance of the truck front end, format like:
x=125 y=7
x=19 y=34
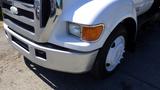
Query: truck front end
x=41 y=31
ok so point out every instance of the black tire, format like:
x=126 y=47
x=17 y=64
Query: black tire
x=99 y=69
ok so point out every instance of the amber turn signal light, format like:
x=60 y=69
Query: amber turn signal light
x=92 y=33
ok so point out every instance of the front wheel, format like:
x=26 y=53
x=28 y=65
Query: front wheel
x=111 y=54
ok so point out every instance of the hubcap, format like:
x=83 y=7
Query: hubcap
x=115 y=53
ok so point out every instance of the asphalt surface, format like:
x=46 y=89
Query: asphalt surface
x=141 y=71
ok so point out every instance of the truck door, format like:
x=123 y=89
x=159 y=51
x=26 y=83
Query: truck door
x=142 y=5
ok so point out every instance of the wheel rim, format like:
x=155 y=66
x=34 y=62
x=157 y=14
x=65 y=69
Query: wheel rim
x=115 y=53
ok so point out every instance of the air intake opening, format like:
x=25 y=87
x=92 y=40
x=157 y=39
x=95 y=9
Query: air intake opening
x=20 y=43
x=40 y=54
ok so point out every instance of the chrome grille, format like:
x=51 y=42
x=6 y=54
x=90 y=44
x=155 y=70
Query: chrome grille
x=25 y=22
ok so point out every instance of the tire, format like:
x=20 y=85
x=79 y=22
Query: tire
x=100 y=68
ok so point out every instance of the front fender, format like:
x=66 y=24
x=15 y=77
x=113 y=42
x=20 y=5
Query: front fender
x=91 y=12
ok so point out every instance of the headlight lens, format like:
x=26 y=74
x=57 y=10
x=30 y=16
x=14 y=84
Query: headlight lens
x=86 y=32
x=74 y=29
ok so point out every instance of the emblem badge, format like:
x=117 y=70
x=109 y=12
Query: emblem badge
x=14 y=10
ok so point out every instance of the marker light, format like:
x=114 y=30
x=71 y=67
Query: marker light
x=92 y=33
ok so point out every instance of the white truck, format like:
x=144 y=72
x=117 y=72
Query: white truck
x=75 y=36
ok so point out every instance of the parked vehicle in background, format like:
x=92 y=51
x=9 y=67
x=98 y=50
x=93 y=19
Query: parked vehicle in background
x=76 y=36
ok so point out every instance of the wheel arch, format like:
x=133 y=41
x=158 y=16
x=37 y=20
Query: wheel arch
x=131 y=27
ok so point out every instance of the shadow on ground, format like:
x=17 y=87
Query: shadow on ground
x=141 y=72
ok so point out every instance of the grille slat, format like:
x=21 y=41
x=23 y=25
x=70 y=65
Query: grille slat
x=21 y=12
x=27 y=1
x=22 y=18
x=24 y=6
x=21 y=31
x=19 y=23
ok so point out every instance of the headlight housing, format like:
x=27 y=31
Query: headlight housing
x=86 y=32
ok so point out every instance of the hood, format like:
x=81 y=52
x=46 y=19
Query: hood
x=84 y=11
